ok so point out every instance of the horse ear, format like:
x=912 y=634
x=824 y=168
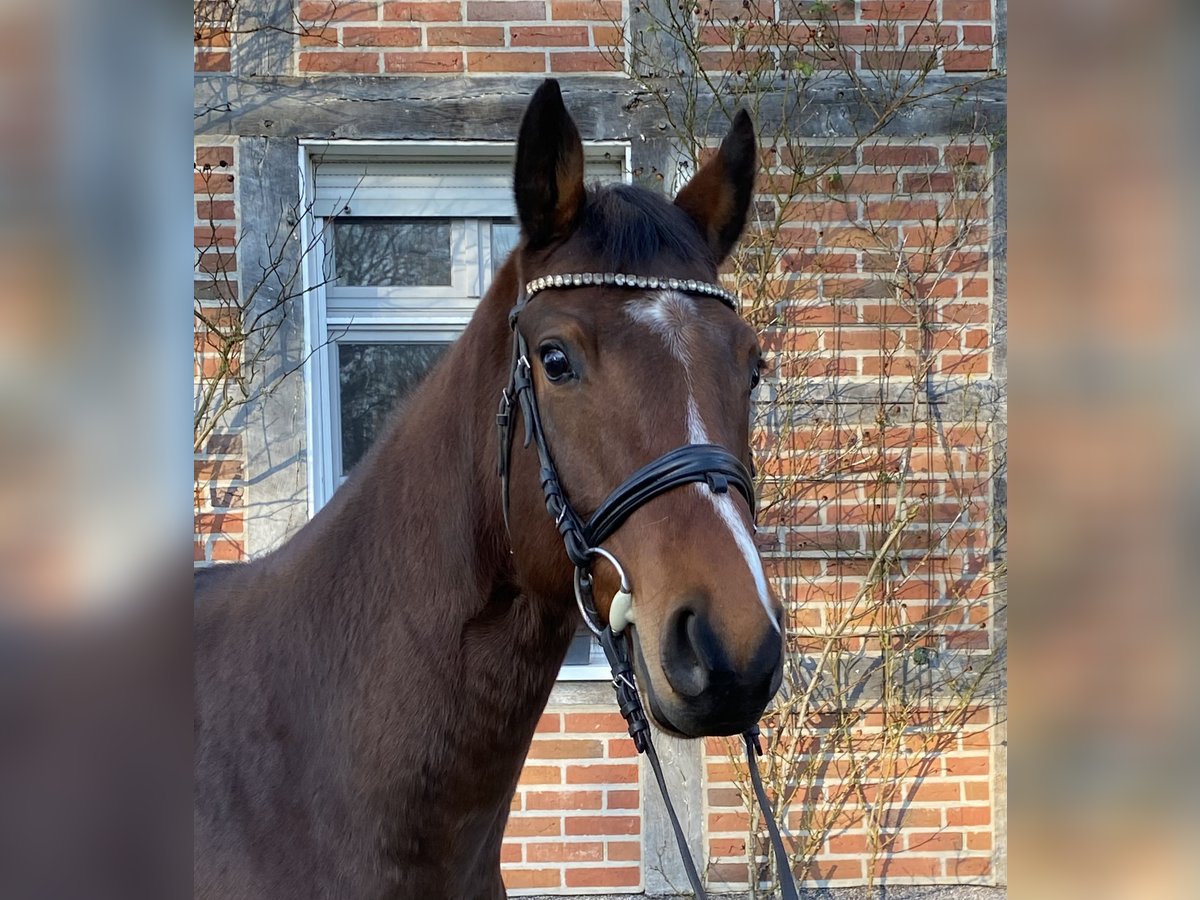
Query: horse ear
x=718 y=196
x=548 y=176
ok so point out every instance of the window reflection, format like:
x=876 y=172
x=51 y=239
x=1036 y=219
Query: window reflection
x=372 y=378
x=388 y=252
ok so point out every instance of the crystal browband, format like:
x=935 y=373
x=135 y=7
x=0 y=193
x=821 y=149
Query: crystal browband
x=640 y=282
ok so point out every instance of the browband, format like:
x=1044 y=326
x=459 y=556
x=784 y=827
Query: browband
x=639 y=282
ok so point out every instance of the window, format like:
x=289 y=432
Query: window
x=410 y=238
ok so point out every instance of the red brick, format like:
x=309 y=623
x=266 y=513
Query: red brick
x=965 y=313
x=584 y=61
x=506 y=11
x=967 y=154
x=727 y=847
x=563 y=800
x=912 y=817
x=381 y=37
x=541 y=775
x=834 y=870
x=549 y=36
x=425 y=62
x=533 y=826
x=214 y=157
x=211 y=37
x=849 y=843
x=214 y=236
x=900 y=155
x=968 y=60
x=530 y=878
x=602 y=774
x=866 y=35
x=967 y=10
x=206 y=183
x=217 y=262
x=586 y=851
x=422 y=11
x=979 y=840
x=512 y=852
x=977 y=790
x=594 y=722
x=205 y=470
x=934 y=841
x=901 y=210
x=319 y=37
x=896 y=60
x=607 y=36
x=608 y=876
x=360 y=63
x=549 y=722
x=977 y=34
x=338 y=11
x=935 y=792
x=627 y=851
x=211 y=61
x=224 y=444
x=890 y=10
x=899 y=866
x=215 y=210
x=219 y=523
x=968 y=866
x=227 y=551
x=565 y=749
x=586 y=10
x=931 y=34
x=622 y=799
x=506 y=62
x=966 y=364
x=967 y=765
x=621 y=748
x=602 y=825
x=929 y=183
x=969 y=815
x=459 y=36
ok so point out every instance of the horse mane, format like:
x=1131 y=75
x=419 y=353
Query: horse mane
x=631 y=227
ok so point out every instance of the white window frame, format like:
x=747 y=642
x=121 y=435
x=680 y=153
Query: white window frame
x=418 y=314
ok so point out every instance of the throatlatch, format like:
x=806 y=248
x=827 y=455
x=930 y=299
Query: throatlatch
x=691 y=463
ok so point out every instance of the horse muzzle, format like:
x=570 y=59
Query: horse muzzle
x=706 y=693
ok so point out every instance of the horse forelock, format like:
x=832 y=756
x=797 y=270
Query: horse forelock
x=630 y=228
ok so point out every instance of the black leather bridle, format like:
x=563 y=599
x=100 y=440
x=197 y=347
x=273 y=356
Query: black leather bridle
x=691 y=463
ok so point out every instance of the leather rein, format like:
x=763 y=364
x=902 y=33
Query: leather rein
x=691 y=463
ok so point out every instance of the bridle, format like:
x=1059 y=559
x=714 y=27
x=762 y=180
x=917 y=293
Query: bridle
x=691 y=463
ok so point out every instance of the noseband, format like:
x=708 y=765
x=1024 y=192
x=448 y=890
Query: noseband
x=691 y=463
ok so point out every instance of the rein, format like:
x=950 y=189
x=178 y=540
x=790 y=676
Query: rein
x=688 y=464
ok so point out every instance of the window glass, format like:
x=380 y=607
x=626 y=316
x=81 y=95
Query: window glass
x=388 y=252
x=372 y=378
x=504 y=239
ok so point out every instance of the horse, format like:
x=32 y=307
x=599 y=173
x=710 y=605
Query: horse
x=365 y=695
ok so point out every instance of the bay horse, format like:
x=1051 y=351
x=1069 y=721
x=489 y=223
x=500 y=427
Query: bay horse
x=366 y=694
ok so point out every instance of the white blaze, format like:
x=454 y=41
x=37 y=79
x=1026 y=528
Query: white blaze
x=668 y=314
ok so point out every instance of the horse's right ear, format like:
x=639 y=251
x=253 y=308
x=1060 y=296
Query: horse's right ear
x=548 y=177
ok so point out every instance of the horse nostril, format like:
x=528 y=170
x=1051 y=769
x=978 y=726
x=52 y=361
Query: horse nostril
x=683 y=661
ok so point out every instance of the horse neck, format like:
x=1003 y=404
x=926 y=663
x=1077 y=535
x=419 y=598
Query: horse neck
x=427 y=620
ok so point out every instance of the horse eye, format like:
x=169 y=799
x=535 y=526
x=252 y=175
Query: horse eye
x=556 y=364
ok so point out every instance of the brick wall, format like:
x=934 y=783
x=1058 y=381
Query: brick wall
x=476 y=36
x=219 y=465
x=879 y=282
x=881 y=270
x=575 y=825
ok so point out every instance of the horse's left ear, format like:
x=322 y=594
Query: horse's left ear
x=718 y=197
x=548 y=176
